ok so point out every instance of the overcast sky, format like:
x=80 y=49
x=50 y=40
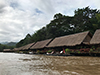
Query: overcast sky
x=20 y=17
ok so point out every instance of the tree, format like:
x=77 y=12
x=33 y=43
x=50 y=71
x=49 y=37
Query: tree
x=59 y=26
x=84 y=19
x=57 y=16
x=97 y=26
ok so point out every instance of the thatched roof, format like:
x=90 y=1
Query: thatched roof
x=96 y=37
x=26 y=47
x=7 y=50
x=41 y=44
x=70 y=40
x=17 y=49
x=23 y=47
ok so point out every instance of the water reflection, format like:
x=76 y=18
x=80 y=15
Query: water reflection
x=21 y=64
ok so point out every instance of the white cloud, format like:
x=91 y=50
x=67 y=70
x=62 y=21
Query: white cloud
x=19 y=17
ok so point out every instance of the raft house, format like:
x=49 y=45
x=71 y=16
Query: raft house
x=40 y=46
x=74 y=42
x=95 y=43
x=24 y=49
x=7 y=50
x=77 y=44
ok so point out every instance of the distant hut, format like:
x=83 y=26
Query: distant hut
x=82 y=38
x=40 y=45
x=27 y=47
x=95 y=41
x=20 y=48
x=23 y=49
x=7 y=50
x=17 y=49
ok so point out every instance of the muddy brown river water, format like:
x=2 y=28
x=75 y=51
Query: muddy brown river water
x=23 y=64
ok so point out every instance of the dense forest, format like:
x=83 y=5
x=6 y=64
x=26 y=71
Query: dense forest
x=84 y=19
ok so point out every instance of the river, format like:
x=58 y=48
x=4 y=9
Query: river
x=23 y=64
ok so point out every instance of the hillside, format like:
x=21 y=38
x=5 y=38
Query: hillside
x=9 y=43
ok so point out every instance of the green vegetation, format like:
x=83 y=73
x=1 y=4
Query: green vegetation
x=93 y=47
x=49 y=51
x=39 y=52
x=67 y=50
x=73 y=51
x=83 y=20
x=91 y=50
x=77 y=51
